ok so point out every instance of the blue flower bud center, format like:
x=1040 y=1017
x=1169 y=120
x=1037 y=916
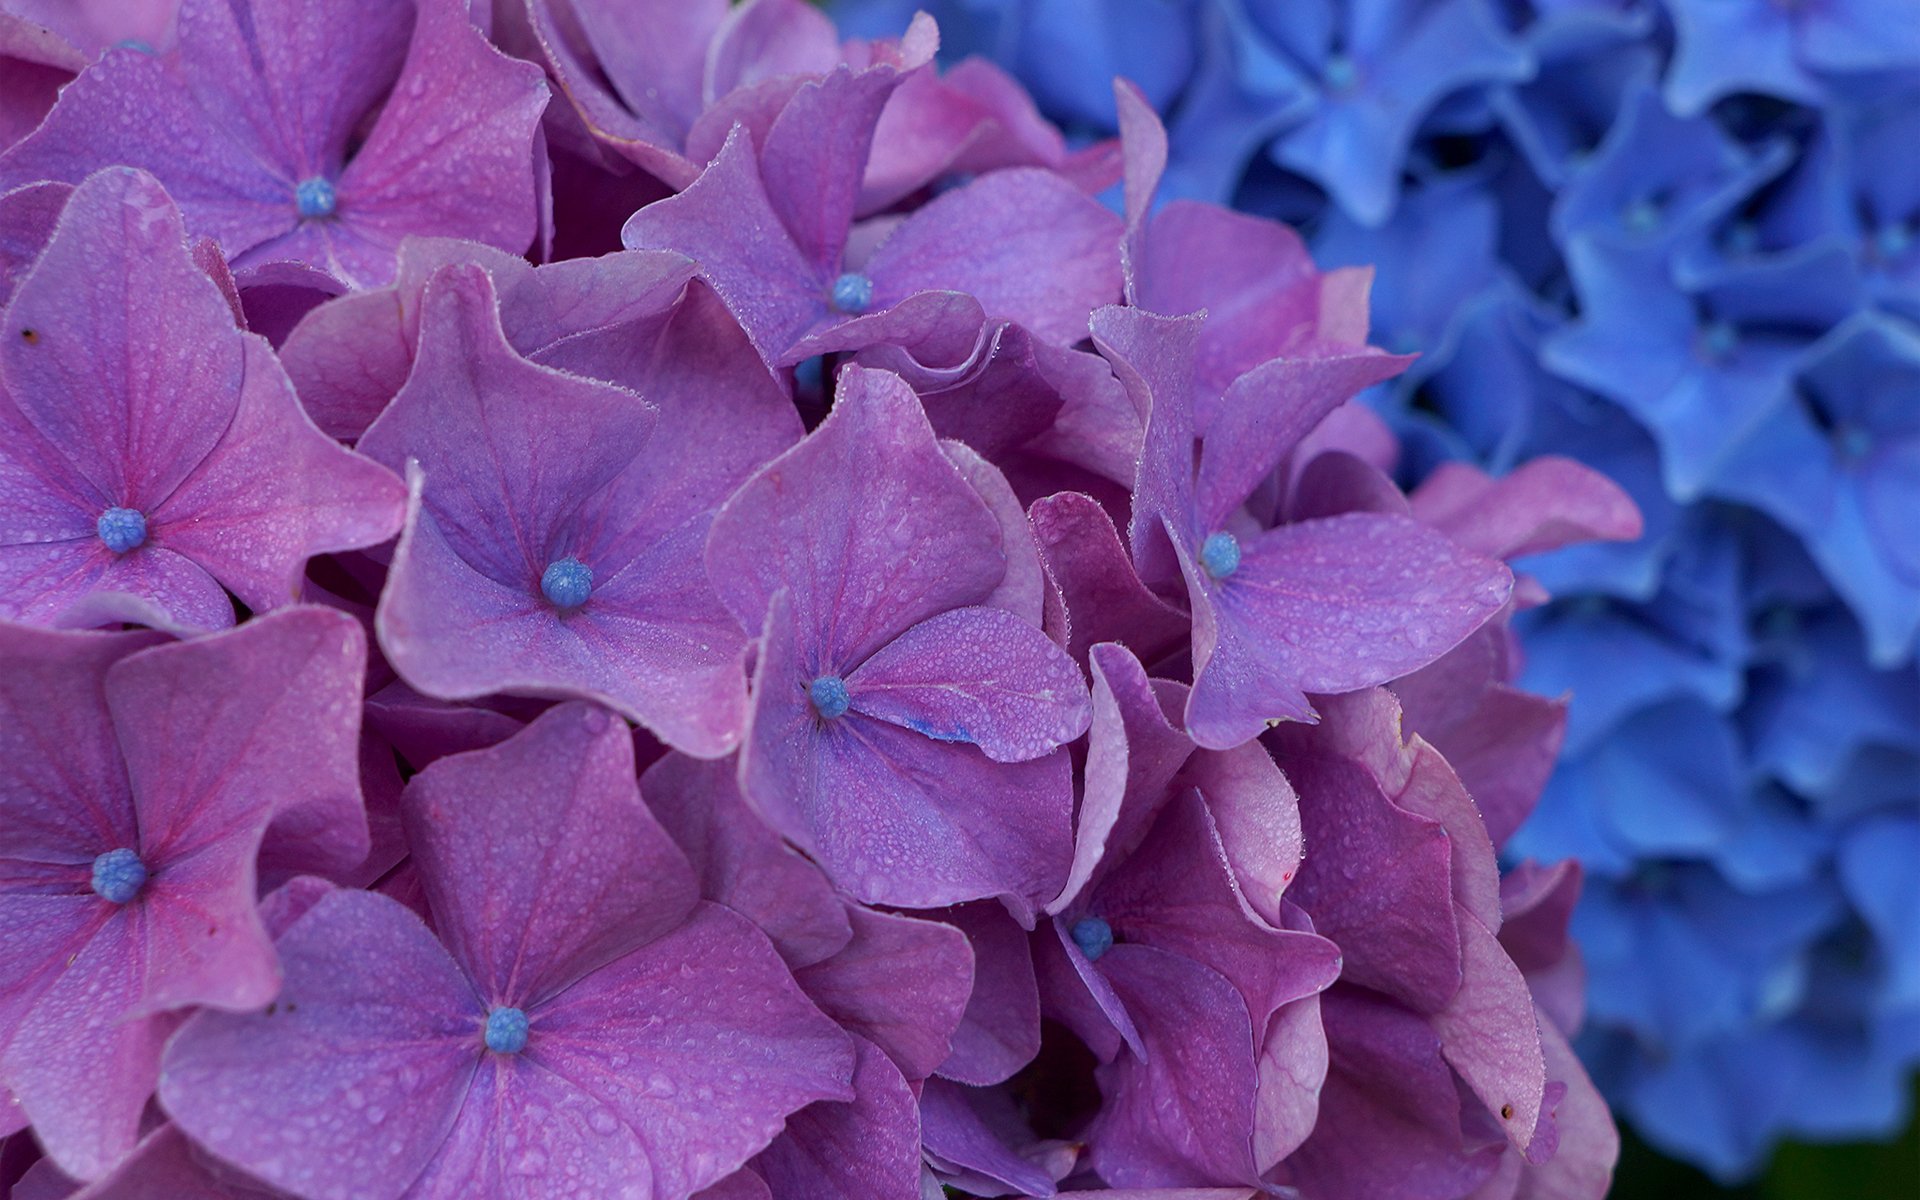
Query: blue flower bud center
x=1341 y=73
x=567 y=582
x=1719 y=339
x=1094 y=937
x=1220 y=554
x=316 y=198
x=118 y=875
x=122 y=529
x=506 y=1031
x=852 y=293
x=829 y=696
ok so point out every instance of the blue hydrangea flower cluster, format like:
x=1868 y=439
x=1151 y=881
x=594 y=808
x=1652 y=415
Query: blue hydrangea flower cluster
x=1680 y=241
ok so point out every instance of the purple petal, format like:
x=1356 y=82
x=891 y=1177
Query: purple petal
x=375 y=1032
x=1023 y=588
x=1030 y=246
x=1543 y=505
x=900 y=983
x=813 y=156
x=1332 y=606
x=1183 y=1116
x=866 y=1150
x=977 y=675
x=723 y=1048
x=1490 y=1036
x=744 y=865
x=1000 y=1031
x=959 y=1140
x=867 y=524
x=1106 y=600
x=539 y=860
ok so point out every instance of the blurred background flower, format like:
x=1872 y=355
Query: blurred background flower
x=1678 y=240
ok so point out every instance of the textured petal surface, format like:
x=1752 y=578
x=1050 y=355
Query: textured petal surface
x=900 y=984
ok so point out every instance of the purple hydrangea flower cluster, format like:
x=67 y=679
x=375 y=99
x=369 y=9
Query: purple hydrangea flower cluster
x=1678 y=240
x=634 y=600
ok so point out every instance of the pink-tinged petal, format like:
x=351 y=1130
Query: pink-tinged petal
x=1537 y=903
x=228 y=735
x=1542 y=505
x=451 y=153
x=1336 y=482
x=349 y=1083
x=1143 y=142
x=39 y=62
x=1000 y=1030
x=652 y=53
x=1029 y=246
x=866 y=524
x=1389 y=1114
x=960 y=1142
x=1292 y=1070
x=1257 y=816
x=168 y=1166
x=348 y=358
x=1177 y=893
x=1490 y=1036
x=766 y=40
x=900 y=983
x=936 y=325
x=133 y=394
x=723 y=1047
x=1331 y=606
x=895 y=817
x=28 y=215
x=743 y=864
x=1023 y=588
x=1133 y=754
x=83 y=585
x=274 y=492
x=1582 y=1168
x=1265 y=413
x=1183 y=1116
x=1433 y=791
x=725 y=222
x=64 y=795
x=539 y=859
x=1377 y=880
x=744 y=1184
x=865 y=1150
x=1106 y=602
x=423 y=730
x=812 y=156
x=80 y=1064
x=1075 y=993
x=976 y=675
x=1153 y=357
x=224 y=172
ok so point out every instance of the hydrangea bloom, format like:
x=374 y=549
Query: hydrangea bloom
x=957 y=840
x=1674 y=240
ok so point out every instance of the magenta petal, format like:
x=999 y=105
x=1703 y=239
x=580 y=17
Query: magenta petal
x=896 y=817
x=1107 y=601
x=559 y=792
x=1545 y=504
x=1183 y=1116
x=451 y=152
x=81 y=1065
x=1133 y=754
x=168 y=1166
x=1332 y=606
x=1390 y=1113
x=1490 y=1036
x=1029 y=245
x=958 y=1140
x=725 y=222
x=1023 y=589
x=743 y=864
x=1257 y=816
x=865 y=1150
x=1000 y=1031
x=28 y=215
x=273 y=493
x=900 y=983
x=868 y=496
x=1385 y=897
x=809 y=156
x=1582 y=1168
x=723 y=1047
x=1265 y=413
x=374 y=1030
x=978 y=675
